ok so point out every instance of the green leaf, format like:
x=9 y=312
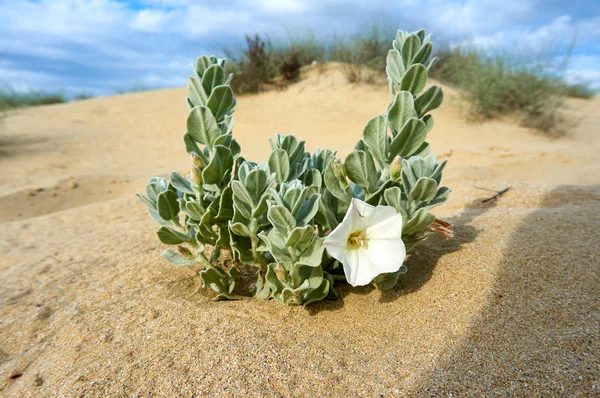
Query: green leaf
x=375 y=137
x=300 y=236
x=178 y=259
x=334 y=187
x=272 y=280
x=195 y=93
x=202 y=63
x=170 y=237
x=148 y=202
x=193 y=210
x=213 y=76
x=241 y=250
x=225 y=212
x=241 y=230
x=414 y=79
x=276 y=243
x=410 y=47
x=431 y=99
x=221 y=164
x=281 y=219
x=375 y=198
x=181 y=184
x=401 y=109
x=190 y=144
x=202 y=126
x=307 y=211
x=393 y=197
x=437 y=172
x=420 y=220
x=389 y=281
x=220 y=281
x=241 y=193
x=313 y=254
x=409 y=139
x=155 y=186
x=361 y=170
x=423 y=150
x=167 y=205
x=440 y=197
x=395 y=66
x=220 y=101
x=424 y=190
x=317 y=294
x=313 y=178
x=279 y=163
x=261 y=207
x=256 y=183
x=428 y=120
x=423 y=54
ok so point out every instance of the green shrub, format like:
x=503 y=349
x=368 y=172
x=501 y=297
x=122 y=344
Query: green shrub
x=363 y=55
x=10 y=99
x=578 y=90
x=289 y=68
x=498 y=85
x=254 y=67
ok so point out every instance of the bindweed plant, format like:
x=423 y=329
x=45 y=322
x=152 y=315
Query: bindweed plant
x=303 y=221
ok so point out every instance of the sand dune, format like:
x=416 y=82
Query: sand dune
x=88 y=307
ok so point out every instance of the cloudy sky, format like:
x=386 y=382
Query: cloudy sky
x=102 y=46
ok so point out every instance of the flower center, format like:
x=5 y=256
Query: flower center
x=357 y=239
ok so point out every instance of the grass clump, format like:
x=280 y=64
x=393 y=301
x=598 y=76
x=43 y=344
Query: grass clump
x=262 y=63
x=578 y=90
x=12 y=99
x=363 y=55
x=501 y=85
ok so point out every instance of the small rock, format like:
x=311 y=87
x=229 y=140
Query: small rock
x=39 y=380
x=44 y=312
x=30 y=193
x=73 y=184
x=54 y=194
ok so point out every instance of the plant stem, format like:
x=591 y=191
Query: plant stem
x=203 y=259
x=339 y=277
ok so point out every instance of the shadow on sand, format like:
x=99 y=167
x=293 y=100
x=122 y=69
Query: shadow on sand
x=421 y=262
x=538 y=333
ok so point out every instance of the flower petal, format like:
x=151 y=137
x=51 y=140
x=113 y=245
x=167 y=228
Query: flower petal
x=358 y=268
x=336 y=251
x=339 y=236
x=385 y=228
x=387 y=255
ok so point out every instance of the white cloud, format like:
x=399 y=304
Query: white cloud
x=152 y=21
x=280 y=5
x=75 y=43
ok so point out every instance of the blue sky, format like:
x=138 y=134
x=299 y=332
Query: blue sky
x=102 y=46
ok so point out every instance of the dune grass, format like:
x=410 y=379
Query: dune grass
x=12 y=99
x=501 y=84
x=490 y=84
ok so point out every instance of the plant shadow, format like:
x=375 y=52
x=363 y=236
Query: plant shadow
x=536 y=334
x=421 y=262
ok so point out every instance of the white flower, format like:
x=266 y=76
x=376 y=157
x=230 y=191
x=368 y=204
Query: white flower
x=368 y=242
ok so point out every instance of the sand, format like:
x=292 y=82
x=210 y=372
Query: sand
x=509 y=307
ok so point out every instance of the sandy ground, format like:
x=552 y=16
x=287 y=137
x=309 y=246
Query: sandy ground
x=510 y=307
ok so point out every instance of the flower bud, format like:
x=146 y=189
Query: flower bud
x=197 y=161
x=339 y=170
x=196 y=176
x=184 y=251
x=443 y=228
x=280 y=272
x=396 y=168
